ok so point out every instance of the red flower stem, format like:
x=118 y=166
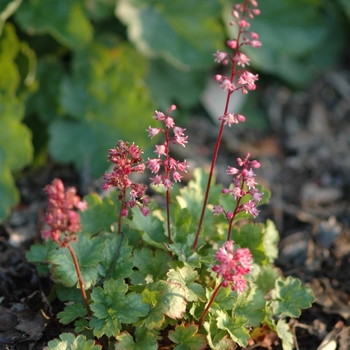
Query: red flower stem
x=216 y=291
x=218 y=140
x=120 y=212
x=167 y=171
x=234 y=213
x=168 y=214
x=80 y=279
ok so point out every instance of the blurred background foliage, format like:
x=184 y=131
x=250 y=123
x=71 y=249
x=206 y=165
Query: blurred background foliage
x=78 y=75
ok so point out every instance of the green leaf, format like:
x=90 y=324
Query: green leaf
x=9 y=195
x=175 y=30
x=152 y=228
x=251 y=305
x=44 y=102
x=251 y=236
x=144 y=341
x=234 y=326
x=104 y=90
x=186 y=276
x=271 y=238
x=152 y=266
x=224 y=300
x=37 y=255
x=267 y=278
x=100 y=214
x=63 y=19
x=184 y=87
x=187 y=337
x=166 y=299
x=289 y=297
x=9 y=49
x=70 y=342
x=117 y=252
x=112 y=307
x=71 y=312
x=284 y=333
x=89 y=254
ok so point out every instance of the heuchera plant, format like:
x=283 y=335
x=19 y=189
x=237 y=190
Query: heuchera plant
x=189 y=274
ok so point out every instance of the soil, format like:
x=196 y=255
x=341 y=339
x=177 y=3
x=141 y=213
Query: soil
x=305 y=162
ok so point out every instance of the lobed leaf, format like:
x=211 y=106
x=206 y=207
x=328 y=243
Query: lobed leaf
x=88 y=252
x=68 y=341
x=71 y=312
x=289 y=297
x=117 y=252
x=112 y=307
x=234 y=326
x=152 y=266
x=166 y=299
x=100 y=213
x=187 y=338
x=186 y=276
x=285 y=334
x=144 y=340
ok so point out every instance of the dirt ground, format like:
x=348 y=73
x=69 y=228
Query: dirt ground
x=305 y=158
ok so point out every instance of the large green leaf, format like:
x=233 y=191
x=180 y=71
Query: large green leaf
x=166 y=299
x=289 y=297
x=63 y=19
x=88 y=252
x=112 y=307
x=234 y=326
x=106 y=97
x=151 y=266
x=186 y=33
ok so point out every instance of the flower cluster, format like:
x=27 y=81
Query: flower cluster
x=241 y=79
x=61 y=216
x=243 y=184
x=127 y=159
x=233 y=265
x=171 y=166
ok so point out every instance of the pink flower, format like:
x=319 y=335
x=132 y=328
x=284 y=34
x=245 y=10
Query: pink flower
x=154 y=164
x=153 y=132
x=157 y=180
x=221 y=57
x=167 y=183
x=242 y=59
x=163 y=150
x=177 y=177
x=232 y=265
x=160 y=150
x=61 y=216
x=218 y=209
x=232 y=44
x=159 y=115
x=127 y=159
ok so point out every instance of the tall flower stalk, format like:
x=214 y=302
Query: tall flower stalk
x=64 y=223
x=233 y=264
x=127 y=159
x=240 y=79
x=170 y=165
x=243 y=187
